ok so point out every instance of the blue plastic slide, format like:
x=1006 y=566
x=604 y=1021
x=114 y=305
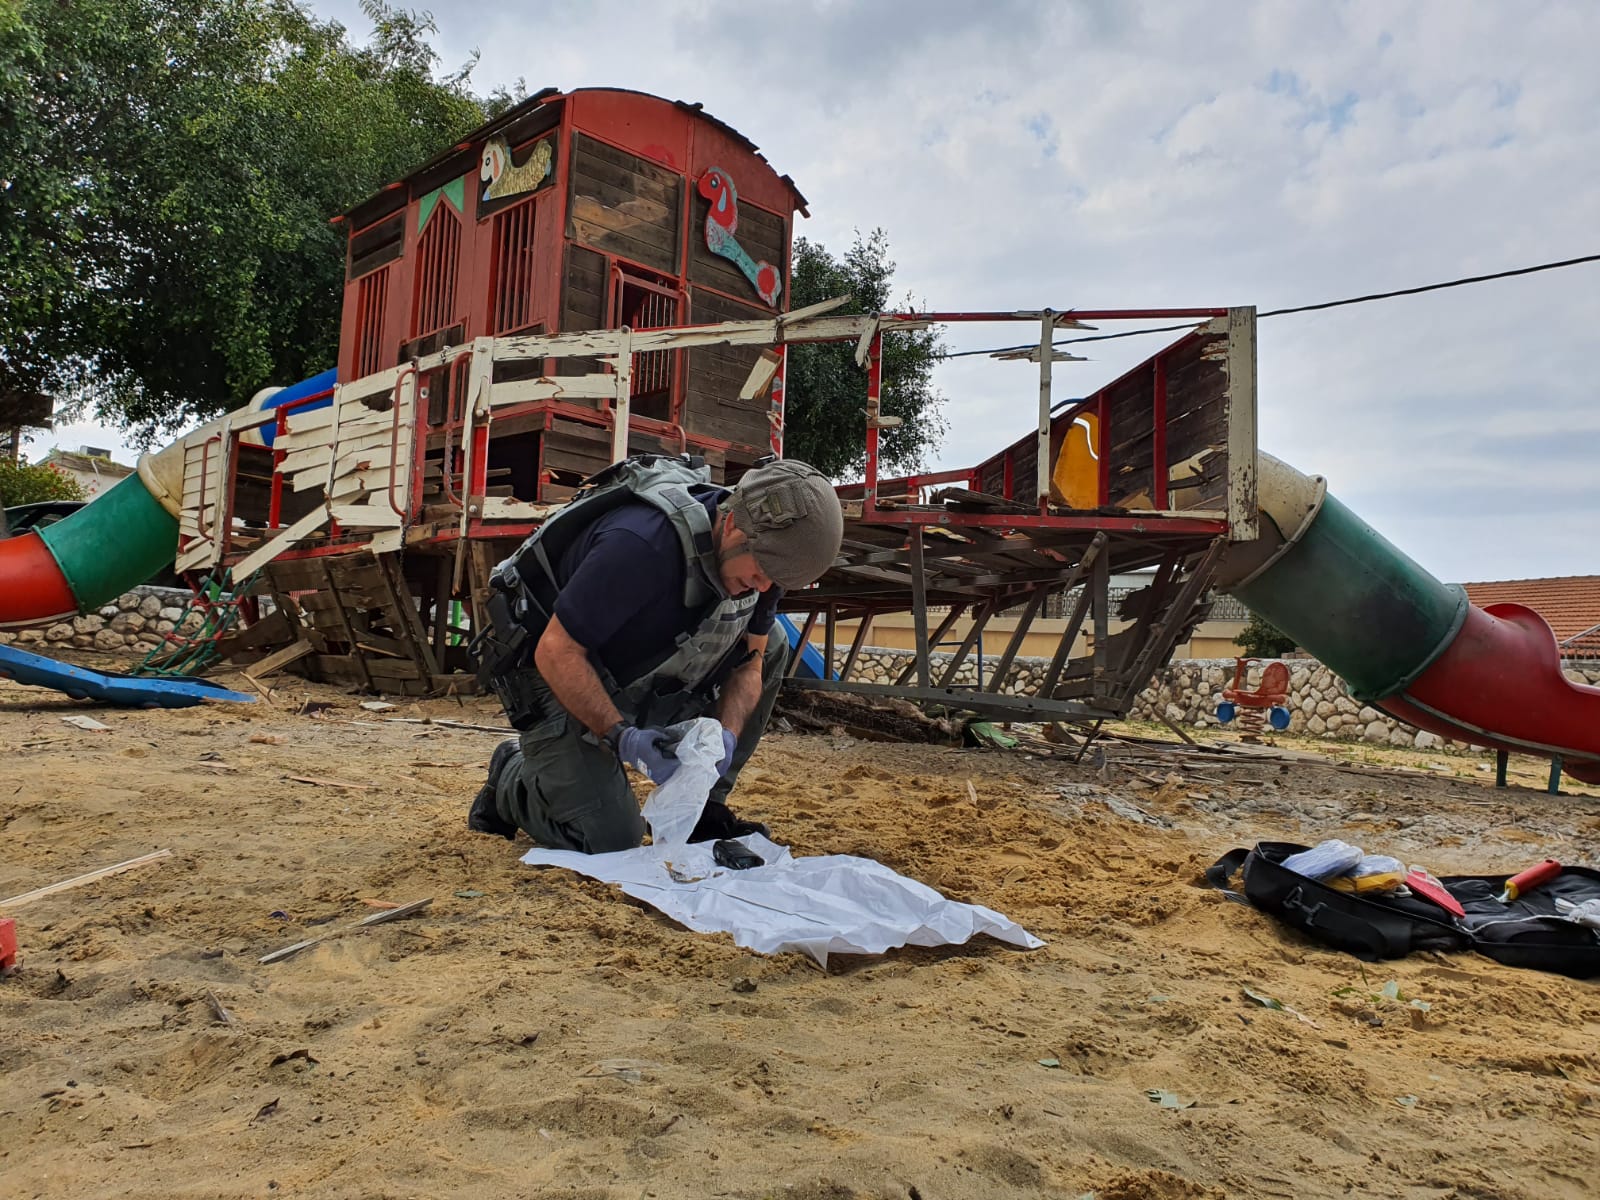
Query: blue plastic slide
x=127 y=691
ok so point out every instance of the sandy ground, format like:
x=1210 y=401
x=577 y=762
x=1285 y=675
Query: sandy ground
x=534 y=1034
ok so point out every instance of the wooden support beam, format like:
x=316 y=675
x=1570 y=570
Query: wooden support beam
x=1099 y=587
x=919 y=608
x=980 y=618
x=938 y=636
x=855 y=645
x=1035 y=602
x=344 y=623
x=1074 y=621
x=830 y=641
x=805 y=640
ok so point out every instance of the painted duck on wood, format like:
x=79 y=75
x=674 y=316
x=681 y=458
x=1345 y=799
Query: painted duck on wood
x=506 y=179
x=721 y=222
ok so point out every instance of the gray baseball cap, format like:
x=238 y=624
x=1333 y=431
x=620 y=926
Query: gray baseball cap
x=791 y=515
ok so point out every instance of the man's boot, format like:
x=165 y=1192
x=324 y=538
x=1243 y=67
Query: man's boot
x=484 y=815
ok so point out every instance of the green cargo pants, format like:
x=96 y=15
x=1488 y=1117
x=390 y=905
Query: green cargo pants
x=568 y=792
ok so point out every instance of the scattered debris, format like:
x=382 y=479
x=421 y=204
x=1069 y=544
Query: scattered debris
x=1167 y=1099
x=338 y=783
x=79 y=880
x=443 y=724
x=79 y=721
x=222 y=1014
x=269 y=739
x=1277 y=1006
x=377 y=918
x=990 y=735
x=265 y=1111
x=1053 y=1064
x=630 y=1070
x=302 y=1053
x=470 y=894
x=378 y=706
x=744 y=985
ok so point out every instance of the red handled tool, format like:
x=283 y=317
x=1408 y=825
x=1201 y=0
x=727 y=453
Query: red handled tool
x=1526 y=881
x=1429 y=888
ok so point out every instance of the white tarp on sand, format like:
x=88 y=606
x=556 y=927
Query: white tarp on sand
x=832 y=904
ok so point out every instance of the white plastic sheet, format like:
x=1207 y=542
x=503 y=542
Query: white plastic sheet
x=830 y=904
x=675 y=806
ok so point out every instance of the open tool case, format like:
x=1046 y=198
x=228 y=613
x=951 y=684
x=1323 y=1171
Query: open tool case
x=1527 y=931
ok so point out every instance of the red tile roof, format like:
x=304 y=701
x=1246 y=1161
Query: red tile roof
x=1571 y=603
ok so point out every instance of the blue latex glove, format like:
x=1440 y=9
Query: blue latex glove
x=728 y=744
x=651 y=750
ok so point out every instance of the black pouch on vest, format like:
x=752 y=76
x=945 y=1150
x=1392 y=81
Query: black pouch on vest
x=1525 y=933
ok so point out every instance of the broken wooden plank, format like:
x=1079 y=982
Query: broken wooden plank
x=79 y=880
x=279 y=659
x=761 y=375
x=304 y=527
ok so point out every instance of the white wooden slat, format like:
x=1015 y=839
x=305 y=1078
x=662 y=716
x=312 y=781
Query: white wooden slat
x=300 y=460
x=508 y=508
x=302 y=420
x=366 y=516
x=568 y=387
x=370 y=459
x=367 y=385
x=199 y=555
x=357 y=418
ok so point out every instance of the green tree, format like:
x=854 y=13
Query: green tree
x=1258 y=639
x=826 y=392
x=169 y=168
x=22 y=484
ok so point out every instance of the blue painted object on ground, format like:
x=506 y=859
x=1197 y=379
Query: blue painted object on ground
x=811 y=664
x=127 y=691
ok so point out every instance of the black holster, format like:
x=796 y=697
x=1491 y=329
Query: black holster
x=504 y=651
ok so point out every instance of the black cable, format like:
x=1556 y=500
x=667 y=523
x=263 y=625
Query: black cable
x=1281 y=312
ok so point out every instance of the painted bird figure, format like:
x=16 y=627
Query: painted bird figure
x=503 y=178
x=721 y=222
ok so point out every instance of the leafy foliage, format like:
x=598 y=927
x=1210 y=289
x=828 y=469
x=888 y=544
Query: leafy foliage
x=826 y=392
x=169 y=168
x=22 y=484
x=1258 y=639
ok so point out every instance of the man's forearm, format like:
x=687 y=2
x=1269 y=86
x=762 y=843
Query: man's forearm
x=565 y=666
x=742 y=692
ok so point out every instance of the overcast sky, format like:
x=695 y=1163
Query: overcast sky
x=1098 y=154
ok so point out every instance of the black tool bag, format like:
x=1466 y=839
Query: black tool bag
x=1528 y=932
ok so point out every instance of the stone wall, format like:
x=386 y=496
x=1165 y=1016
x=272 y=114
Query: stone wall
x=134 y=621
x=1188 y=691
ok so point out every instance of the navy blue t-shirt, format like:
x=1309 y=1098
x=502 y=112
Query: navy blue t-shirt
x=621 y=594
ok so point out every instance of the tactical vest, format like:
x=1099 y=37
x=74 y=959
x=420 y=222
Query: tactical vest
x=525 y=588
